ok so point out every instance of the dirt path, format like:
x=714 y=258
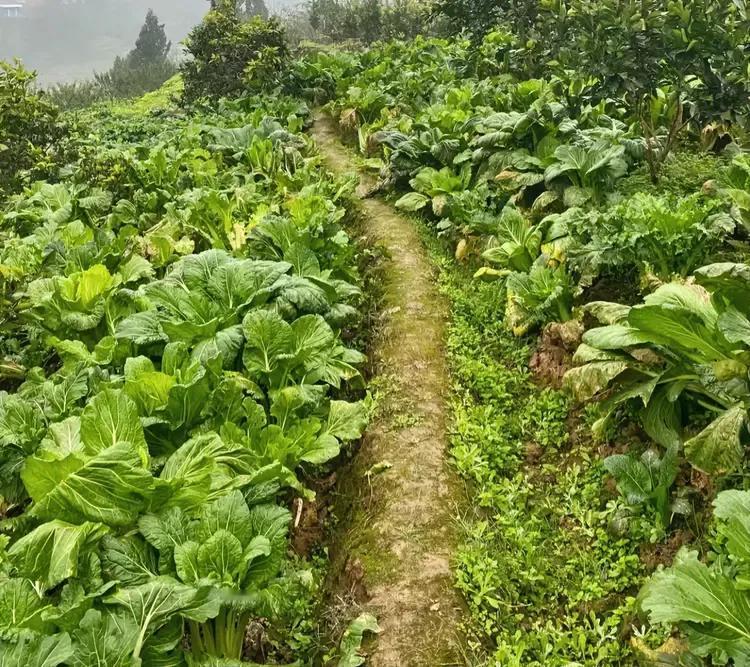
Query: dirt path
x=401 y=530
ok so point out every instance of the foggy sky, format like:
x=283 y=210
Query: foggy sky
x=68 y=41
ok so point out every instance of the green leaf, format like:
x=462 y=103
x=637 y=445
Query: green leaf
x=151 y=605
x=50 y=553
x=229 y=512
x=219 y=558
x=269 y=341
x=607 y=312
x=104 y=640
x=662 y=420
x=717 y=448
x=111 y=487
x=320 y=450
x=148 y=388
x=66 y=436
x=128 y=560
x=110 y=418
x=632 y=477
x=135 y=268
x=186 y=562
x=31 y=650
x=615 y=336
x=678 y=327
x=732 y=508
x=21 y=422
x=346 y=421
x=574 y=196
x=584 y=382
x=703 y=600
x=351 y=642
x=189 y=472
x=142 y=328
x=90 y=285
x=734 y=326
x=413 y=201
x=21 y=607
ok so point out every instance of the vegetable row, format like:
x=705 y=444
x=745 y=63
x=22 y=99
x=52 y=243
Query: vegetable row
x=174 y=323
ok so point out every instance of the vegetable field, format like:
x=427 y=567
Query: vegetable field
x=174 y=363
x=456 y=374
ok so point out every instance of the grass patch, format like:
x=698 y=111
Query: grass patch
x=547 y=580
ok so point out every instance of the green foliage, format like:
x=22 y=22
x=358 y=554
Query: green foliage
x=630 y=48
x=709 y=602
x=173 y=321
x=515 y=243
x=544 y=293
x=129 y=77
x=686 y=346
x=351 y=642
x=735 y=186
x=477 y=17
x=539 y=538
x=583 y=149
x=30 y=129
x=658 y=236
x=368 y=20
x=243 y=8
x=646 y=480
x=229 y=56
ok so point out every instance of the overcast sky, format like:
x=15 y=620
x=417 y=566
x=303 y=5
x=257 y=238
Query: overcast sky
x=71 y=41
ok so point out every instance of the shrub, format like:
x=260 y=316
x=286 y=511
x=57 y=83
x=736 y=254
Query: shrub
x=230 y=55
x=127 y=78
x=30 y=128
x=76 y=94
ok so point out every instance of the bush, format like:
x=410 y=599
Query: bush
x=30 y=128
x=127 y=78
x=230 y=56
x=75 y=95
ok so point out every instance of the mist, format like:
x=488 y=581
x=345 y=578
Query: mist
x=67 y=40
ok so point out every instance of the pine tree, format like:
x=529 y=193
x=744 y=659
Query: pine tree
x=152 y=45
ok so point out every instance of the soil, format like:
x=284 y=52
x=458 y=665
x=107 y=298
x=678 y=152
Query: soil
x=399 y=499
x=309 y=517
x=663 y=553
x=554 y=353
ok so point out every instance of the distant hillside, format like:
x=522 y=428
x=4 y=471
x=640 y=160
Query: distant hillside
x=69 y=39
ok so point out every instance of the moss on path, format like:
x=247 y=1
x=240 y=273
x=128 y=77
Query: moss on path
x=400 y=525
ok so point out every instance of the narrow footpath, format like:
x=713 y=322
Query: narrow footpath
x=402 y=530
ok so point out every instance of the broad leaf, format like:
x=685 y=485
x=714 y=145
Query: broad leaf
x=110 y=418
x=50 y=553
x=111 y=487
x=717 y=448
x=705 y=601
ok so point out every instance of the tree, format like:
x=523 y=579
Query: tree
x=31 y=130
x=369 y=20
x=152 y=45
x=476 y=16
x=245 y=8
x=231 y=56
